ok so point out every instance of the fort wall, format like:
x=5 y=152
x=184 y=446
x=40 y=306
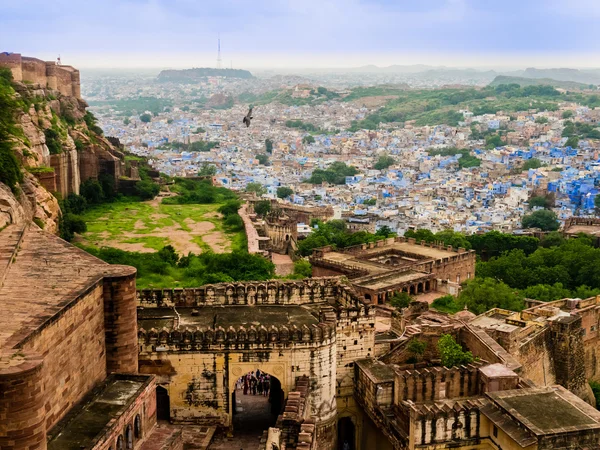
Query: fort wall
x=120 y=320
x=271 y=292
x=64 y=79
x=78 y=330
x=22 y=411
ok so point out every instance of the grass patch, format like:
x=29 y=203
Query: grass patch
x=149 y=224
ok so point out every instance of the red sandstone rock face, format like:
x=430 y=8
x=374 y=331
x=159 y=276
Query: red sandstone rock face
x=71 y=167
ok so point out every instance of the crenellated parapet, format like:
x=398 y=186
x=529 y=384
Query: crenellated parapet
x=272 y=292
x=198 y=338
x=437 y=383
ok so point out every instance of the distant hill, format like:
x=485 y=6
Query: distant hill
x=503 y=79
x=192 y=75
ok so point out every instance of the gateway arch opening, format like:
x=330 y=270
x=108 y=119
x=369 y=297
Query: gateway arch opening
x=257 y=400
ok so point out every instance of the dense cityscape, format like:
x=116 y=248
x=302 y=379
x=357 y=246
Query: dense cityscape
x=474 y=176
x=363 y=225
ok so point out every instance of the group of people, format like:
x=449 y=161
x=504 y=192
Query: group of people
x=254 y=383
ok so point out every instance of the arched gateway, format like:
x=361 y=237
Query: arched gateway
x=199 y=342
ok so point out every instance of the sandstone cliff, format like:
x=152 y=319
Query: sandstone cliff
x=58 y=146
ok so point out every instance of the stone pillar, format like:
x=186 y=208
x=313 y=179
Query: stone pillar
x=22 y=412
x=120 y=320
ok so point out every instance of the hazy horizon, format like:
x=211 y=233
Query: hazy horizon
x=316 y=34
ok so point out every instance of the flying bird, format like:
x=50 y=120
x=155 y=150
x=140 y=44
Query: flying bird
x=248 y=117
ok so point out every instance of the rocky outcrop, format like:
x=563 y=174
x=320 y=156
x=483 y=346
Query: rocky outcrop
x=30 y=202
x=59 y=147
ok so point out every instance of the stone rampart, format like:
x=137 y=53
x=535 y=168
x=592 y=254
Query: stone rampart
x=64 y=79
x=271 y=292
x=239 y=338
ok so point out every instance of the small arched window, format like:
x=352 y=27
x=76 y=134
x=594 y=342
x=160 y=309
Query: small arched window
x=129 y=437
x=137 y=427
x=120 y=445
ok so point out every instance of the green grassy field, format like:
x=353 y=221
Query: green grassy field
x=149 y=226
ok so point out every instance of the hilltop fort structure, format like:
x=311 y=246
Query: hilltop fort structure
x=89 y=362
x=64 y=79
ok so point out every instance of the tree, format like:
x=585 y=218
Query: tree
x=370 y=202
x=303 y=268
x=543 y=219
x=334 y=174
x=284 y=192
x=483 y=294
x=76 y=204
x=452 y=354
x=308 y=139
x=92 y=191
x=385 y=231
x=147 y=189
x=234 y=222
x=532 y=163
x=269 y=146
x=230 y=207
x=263 y=159
x=541 y=120
x=447 y=304
x=552 y=239
x=492 y=141
x=572 y=142
x=597 y=204
x=568 y=114
x=384 y=162
x=262 y=208
x=417 y=349
x=400 y=300
x=126 y=121
x=257 y=188
x=146 y=118
x=207 y=170
x=538 y=201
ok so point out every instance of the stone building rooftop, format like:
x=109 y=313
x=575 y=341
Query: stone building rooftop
x=226 y=316
x=377 y=371
x=41 y=275
x=85 y=424
x=392 y=279
x=547 y=410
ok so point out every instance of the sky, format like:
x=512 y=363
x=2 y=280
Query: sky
x=304 y=33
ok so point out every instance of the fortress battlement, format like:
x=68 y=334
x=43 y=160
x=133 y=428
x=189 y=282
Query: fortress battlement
x=235 y=338
x=64 y=79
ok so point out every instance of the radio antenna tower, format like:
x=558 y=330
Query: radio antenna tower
x=219 y=53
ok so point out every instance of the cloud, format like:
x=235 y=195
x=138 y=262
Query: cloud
x=158 y=29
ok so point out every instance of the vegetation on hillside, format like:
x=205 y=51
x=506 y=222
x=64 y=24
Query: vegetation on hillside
x=10 y=170
x=197 y=192
x=166 y=269
x=441 y=106
x=555 y=269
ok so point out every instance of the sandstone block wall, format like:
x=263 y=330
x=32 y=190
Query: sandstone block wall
x=74 y=356
x=22 y=396
x=142 y=409
x=120 y=321
x=64 y=79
